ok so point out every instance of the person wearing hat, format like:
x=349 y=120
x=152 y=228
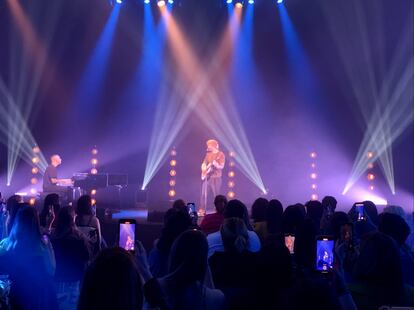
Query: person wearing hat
x=211 y=172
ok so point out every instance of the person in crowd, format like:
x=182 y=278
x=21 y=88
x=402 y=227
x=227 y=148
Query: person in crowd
x=71 y=248
x=112 y=281
x=28 y=258
x=88 y=223
x=292 y=218
x=395 y=226
x=212 y=222
x=235 y=208
x=407 y=218
x=51 y=206
x=258 y=215
x=233 y=270
x=13 y=204
x=179 y=204
x=176 y=221
x=183 y=286
x=329 y=204
x=314 y=211
x=371 y=210
x=378 y=278
x=274 y=217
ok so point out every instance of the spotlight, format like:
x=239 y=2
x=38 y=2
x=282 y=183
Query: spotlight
x=93 y=201
x=370 y=166
x=231 y=184
x=232 y=164
x=8 y=184
x=314 y=186
x=119 y=1
x=313 y=155
x=171 y=1
x=370 y=176
x=173 y=173
x=94 y=161
x=231 y=174
x=251 y=1
x=94 y=171
x=93 y=192
x=32 y=201
x=313 y=176
x=146 y=1
x=33 y=191
x=173 y=163
x=172 y=182
x=35 y=170
x=33 y=181
x=232 y=154
x=36 y=149
x=231 y=194
x=372 y=187
x=229 y=1
x=313 y=165
x=35 y=160
x=279 y=1
x=370 y=154
x=161 y=3
x=239 y=4
x=173 y=152
x=94 y=151
x=171 y=193
x=314 y=197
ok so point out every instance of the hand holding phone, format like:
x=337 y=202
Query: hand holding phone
x=359 y=208
x=127 y=234
x=290 y=243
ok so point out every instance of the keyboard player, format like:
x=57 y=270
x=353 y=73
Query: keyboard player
x=51 y=183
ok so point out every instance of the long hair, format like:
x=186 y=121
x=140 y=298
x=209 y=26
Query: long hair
x=234 y=235
x=188 y=259
x=112 y=281
x=84 y=205
x=259 y=209
x=50 y=200
x=25 y=234
x=274 y=216
x=65 y=223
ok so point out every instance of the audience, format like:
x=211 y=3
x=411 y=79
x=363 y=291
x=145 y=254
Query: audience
x=212 y=222
x=176 y=221
x=183 y=286
x=235 y=208
x=28 y=259
x=230 y=268
x=112 y=281
x=258 y=215
x=88 y=223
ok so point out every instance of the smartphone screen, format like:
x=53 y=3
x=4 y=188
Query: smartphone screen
x=360 y=210
x=127 y=234
x=290 y=243
x=324 y=254
x=191 y=208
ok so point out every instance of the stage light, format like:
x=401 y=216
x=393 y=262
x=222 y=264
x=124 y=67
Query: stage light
x=94 y=171
x=279 y=1
x=94 y=161
x=8 y=184
x=32 y=201
x=231 y=174
x=33 y=181
x=161 y=3
x=230 y=184
x=119 y=1
x=171 y=193
x=171 y=1
x=314 y=186
x=313 y=175
x=229 y=1
x=232 y=164
x=33 y=191
x=94 y=151
x=172 y=183
x=313 y=155
x=370 y=166
x=173 y=152
x=371 y=187
x=231 y=194
x=35 y=160
x=173 y=173
x=314 y=197
x=146 y=1
x=173 y=163
x=93 y=192
x=370 y=154
x=251 y=1
x=36 y=149
x=371 y=176
x=35 y=170
x=232 y=154
x=239 y=4
x=93 y=201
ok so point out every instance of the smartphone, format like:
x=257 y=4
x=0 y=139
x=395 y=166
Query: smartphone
x=359 y=207
x=127 y=234
x=324 y=253
x=191 y=208
x=290 y=243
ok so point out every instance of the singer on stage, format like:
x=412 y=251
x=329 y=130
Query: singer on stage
x=211 y=172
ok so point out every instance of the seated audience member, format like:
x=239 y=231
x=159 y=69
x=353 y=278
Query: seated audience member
x=88 y=223
x=234 y=269
x=292 y=218
x=274 y=275
x=395 y=227
x=28 y=258
x=274 y=217
x=235 y=208
x=183 y=286
x=378 y=278
x=112 y=281
x=180 y=204
x=176 y=221
x=212 y=222
x=13 y=204
x=70 y=246
x=258 y=215
x=51 y=207
x=314 y=211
